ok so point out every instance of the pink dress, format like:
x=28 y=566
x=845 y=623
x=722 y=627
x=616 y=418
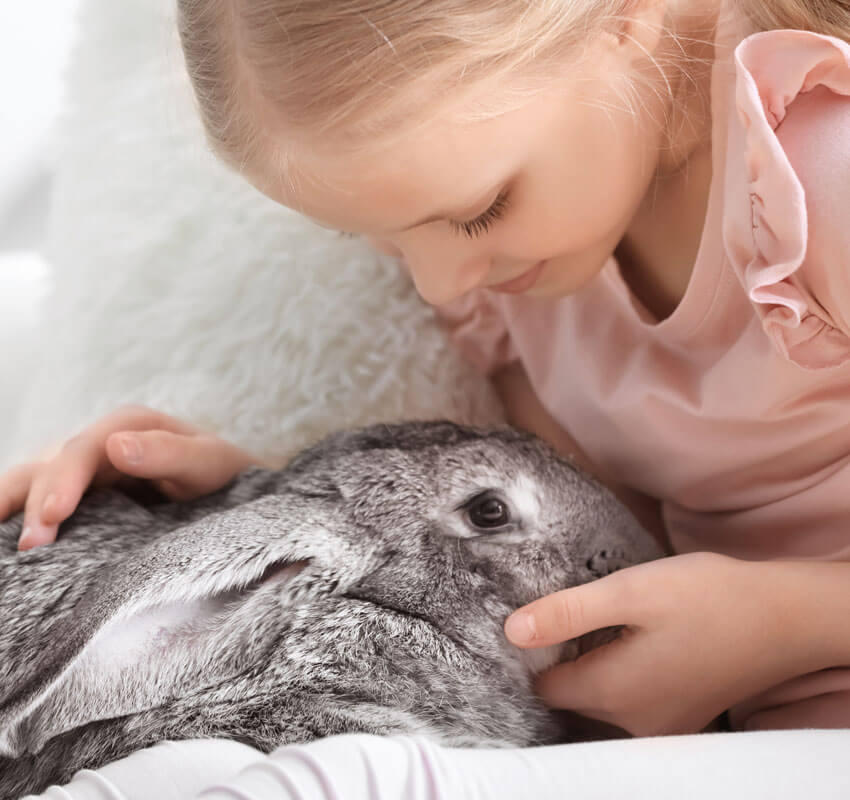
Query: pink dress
x=734 y=410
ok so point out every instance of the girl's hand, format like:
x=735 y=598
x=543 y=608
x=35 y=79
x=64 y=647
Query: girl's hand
x=703 y=632
x=181 y=460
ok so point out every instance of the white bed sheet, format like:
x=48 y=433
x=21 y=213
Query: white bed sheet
x=763 y=765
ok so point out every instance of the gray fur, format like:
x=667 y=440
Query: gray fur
x=387 y=620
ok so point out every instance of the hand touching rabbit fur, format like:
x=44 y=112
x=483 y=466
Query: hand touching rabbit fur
x=361 y=588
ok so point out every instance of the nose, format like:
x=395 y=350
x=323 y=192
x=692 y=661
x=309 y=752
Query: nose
x=439 y=277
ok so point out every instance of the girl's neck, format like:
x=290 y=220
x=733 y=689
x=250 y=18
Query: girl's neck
x=690 y=52
x=659 y=250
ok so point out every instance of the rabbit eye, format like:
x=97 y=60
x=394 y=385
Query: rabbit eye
x=488 y=512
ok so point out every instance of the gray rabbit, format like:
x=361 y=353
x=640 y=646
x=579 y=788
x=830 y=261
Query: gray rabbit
x=361 y=588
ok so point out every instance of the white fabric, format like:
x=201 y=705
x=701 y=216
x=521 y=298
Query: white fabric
x=22 y=286
x=33 y=49
x=179 y=286
x=167 y=771
x=768 y=765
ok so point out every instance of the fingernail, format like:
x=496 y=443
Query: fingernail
x=132 y=448
x=34 y=535
x=521 y=627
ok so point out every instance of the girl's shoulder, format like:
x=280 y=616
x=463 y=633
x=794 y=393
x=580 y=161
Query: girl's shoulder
x=793 y=253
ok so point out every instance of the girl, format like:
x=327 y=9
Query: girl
x=633 y=214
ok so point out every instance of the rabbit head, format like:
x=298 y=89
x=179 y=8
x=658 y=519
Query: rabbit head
x=498 y=518
x=362 y=588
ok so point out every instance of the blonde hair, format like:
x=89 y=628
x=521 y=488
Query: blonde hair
x=359 y=67
x=831 y=17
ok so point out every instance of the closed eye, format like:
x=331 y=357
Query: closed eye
x=482 y=224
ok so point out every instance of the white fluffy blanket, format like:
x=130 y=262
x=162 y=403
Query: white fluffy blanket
x=177 y=285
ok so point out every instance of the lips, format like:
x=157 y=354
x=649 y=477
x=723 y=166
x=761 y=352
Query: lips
x=522 y=283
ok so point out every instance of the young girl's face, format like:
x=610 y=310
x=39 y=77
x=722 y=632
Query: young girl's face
x=542 y=194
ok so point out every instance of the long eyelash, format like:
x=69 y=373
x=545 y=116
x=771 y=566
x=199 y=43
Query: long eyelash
x=481 y=225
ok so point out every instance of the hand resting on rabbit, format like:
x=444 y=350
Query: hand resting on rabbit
x=361 y=588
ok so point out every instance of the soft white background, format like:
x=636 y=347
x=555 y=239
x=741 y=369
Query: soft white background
x=34 y=39
x=173 y=283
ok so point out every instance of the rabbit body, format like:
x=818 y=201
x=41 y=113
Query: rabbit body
x=361 y=588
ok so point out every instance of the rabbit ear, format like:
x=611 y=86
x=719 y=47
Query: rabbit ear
x=106 y=657
x=119 y=670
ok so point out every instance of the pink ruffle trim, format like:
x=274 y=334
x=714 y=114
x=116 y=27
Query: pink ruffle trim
x=773 y=69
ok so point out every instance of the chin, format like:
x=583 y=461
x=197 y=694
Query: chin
x=562 y=281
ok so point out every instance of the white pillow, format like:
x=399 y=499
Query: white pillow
x=177 y=285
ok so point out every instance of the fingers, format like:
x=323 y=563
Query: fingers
x=140 y=418
x=587 y=685
x=60 y=483
x=573 y=612
x=183 y=460
x=183 y=467
x=55 y=489
x=14 y=488
x=37 y=531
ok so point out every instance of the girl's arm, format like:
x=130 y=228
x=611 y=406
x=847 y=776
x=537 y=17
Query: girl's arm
x=524 y=410
x=816 y=595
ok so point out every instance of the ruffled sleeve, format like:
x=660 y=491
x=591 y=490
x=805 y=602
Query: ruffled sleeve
x=793 y=252
x=479 y=330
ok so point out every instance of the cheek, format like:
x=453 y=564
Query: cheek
x=600 y=190
x=585 y=192
x=580 y=197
